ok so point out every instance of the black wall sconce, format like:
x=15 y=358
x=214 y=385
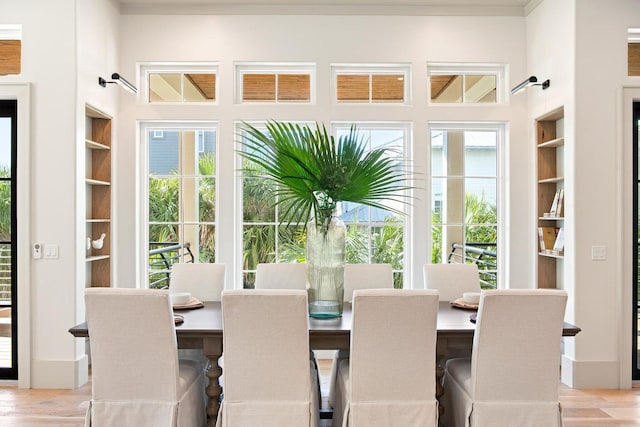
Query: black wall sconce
x=121 y=81
x=531 y=81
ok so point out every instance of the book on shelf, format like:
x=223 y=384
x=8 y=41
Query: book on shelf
x=554 y=204
x=546 y=238
x=558 y=245
x=560 y=207
x=556 y=209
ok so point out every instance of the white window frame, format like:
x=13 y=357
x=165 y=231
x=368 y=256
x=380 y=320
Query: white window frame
x=466 y=69
x=143 y=132
x=501 y=129
x=242 y=68
x=147 y=68
x=371 y=69
x=407 y=208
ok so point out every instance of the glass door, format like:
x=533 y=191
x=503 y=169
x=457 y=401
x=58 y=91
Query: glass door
x=636 y=240
x=8 y=283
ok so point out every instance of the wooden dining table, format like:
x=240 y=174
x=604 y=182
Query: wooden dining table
x=202 y=329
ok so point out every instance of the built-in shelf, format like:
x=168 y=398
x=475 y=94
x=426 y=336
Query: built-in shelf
x=97 y=258
x=95 y=145
x=549 y=146
x=544 y=254
x=554 y=180
x=92 y=181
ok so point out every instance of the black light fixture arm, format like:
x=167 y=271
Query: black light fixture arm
x=121 y=81
x=531 y=81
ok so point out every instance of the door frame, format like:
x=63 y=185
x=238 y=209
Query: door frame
x=626 y=215
x=635 y=120
x=22 y=93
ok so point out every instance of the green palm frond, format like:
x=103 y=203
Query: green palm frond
x=312 y=172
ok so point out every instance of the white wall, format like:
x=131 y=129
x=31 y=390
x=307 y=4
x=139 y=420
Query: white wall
x=601 y=70
x=49 y=63
x=97 y=43
x=325 y=40
x=587 y=39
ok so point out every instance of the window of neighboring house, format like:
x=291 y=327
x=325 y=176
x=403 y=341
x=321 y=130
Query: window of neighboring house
x=466 y=84
x=633 y=51
x=464 y=197
x=181 y=197
x=373 y=235
x=275 y=83
x=371 y=84
x=10 y=49
x=180 y=82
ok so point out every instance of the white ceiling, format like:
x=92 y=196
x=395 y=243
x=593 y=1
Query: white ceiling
x=338 y=2
x=375 y=7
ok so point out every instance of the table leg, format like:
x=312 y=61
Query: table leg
x=439 y=391
x=213 y=350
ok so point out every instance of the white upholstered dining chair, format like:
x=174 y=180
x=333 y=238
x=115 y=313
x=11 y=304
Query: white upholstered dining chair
x=512 y=377
x=286 y=275
x=268 y=375
x=204 y=280
x=137 y=378
x=359 y=276
x=366 y=276
x=451 y=280
x=390 y=385
x=281 y=276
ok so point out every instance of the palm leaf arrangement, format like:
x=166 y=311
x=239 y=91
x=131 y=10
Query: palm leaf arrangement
x=313 y=173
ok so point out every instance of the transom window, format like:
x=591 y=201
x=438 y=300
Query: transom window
x=10 y=49
x=180 y=82
x=633 y=51
x=275 y=83
x=371 y=84
x=465 y=84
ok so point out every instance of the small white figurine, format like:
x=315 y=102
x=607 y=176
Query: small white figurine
x=97 y=244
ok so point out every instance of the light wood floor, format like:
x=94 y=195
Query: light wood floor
x=66 y=408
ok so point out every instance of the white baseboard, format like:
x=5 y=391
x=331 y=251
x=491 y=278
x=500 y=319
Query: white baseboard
x=66 y=374
x=590 y=374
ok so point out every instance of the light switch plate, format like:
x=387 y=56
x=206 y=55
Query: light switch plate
x=598 y=253
x=51 y=251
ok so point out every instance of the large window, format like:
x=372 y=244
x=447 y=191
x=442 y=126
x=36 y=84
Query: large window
x=265 y=238
x=376 y=235
x=373 y=235
x=464 y=197
x=181 y=197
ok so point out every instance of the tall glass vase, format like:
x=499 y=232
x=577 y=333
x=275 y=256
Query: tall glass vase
x=325 y=263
